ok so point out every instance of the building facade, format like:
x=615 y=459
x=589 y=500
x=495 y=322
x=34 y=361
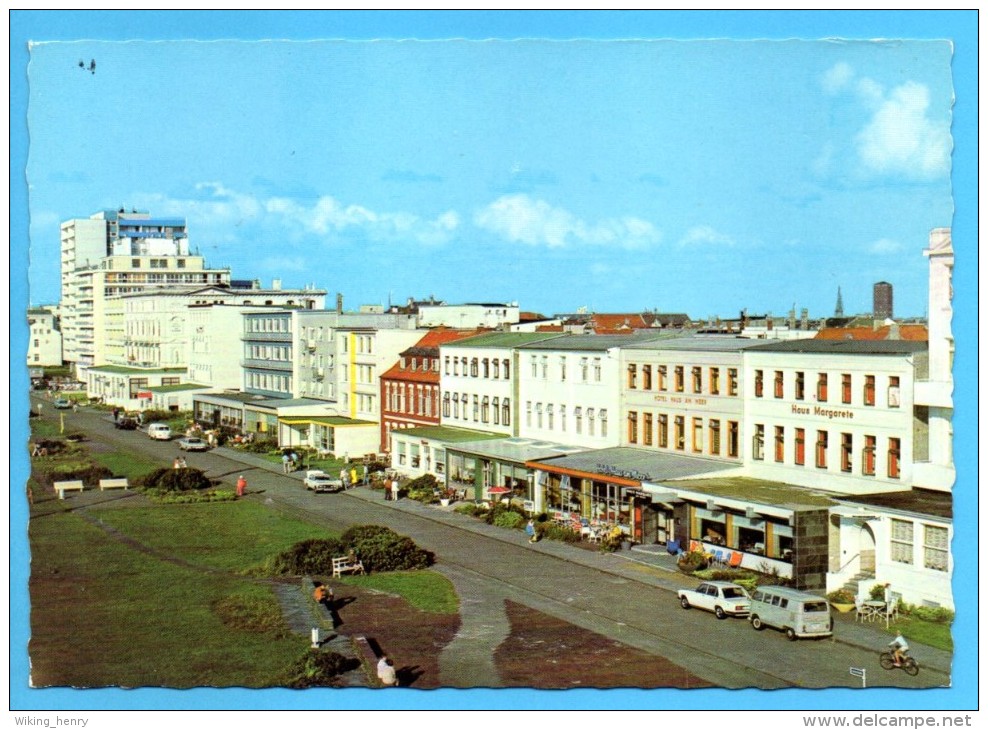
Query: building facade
x=44 y=346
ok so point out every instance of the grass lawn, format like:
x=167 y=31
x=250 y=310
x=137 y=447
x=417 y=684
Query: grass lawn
x=917 y=631
x=42 y=429
x=230 y=536
x=124 y=465
x=104 y=614
x=424 y=590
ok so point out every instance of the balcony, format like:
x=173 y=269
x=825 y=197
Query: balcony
x=266 y=336
x=284 y=366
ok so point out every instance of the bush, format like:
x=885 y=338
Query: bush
x=309 y=557
x=317 y=668
x=424 y=482
x=471 y=509
x=499 y=509
x=939 y=615
x=152 y=415
x=552 y=531
x=877 y=592
x=841 y=595
x=159 y=496
x=692 y=561
x=89 y=473
x=508 y=519
x=382 y=549
x=175 y=480
x=260 y=446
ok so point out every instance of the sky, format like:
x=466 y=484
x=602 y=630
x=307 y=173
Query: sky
x=684 y=176
x=680 y=176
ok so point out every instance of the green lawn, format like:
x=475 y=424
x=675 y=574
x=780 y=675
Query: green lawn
x=227 y=535
x=917 y=631
x=124 y=465
x=105 y=614
x=42 y=429
x=425 y=590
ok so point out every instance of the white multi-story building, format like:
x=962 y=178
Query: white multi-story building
x=44 y=346
x=467 y=316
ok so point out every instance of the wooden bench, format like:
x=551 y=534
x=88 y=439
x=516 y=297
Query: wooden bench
x=63 y=487
x=105 y=484
x=346 y=565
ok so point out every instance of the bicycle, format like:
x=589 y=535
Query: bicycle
x=909 y=665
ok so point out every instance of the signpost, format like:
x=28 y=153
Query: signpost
x=860 y=672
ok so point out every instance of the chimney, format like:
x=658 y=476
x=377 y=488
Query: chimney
x=804 y=317
x=339 y=303
x=768 y=321
x=276 y=285
x=792 y=318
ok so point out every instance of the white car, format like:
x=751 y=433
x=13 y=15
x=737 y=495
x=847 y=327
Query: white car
x=722 y=597
x=193 y=443
x=159 y=432
x=319 y=481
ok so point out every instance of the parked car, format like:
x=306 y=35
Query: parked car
x=723 y=598
x=63 y=403
x=797 y=613
x=160 y=432
x=193 y=443
x=319 y=481
x=125 y=424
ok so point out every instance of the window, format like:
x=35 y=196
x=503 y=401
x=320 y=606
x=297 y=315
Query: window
x=697 y=378
x=697 y=435
x=578 y=415
x=893 y=458
x=596 y=369
x=476 y=407
x=544 y=361
x=759 y=383
x=845 y=388
x=590 y=422
x=646 y=377
x=549 y=415
x=821 y=449
x=779 y=384
x=821 y=387
x=679 y=427
x=562 y=417
x=679 y=379
x=562 y=368
x=633 y=427
x=584 y=363
x=869 y=390
x=894 y=394
x=528 y=413
x=647 y=429
x=715 y=437
x=846 y=441
x=632 y=377
x=901 y=542
x=538 y=415
x=497 y=368
x=800 y=454
x=868 y=457
x=935 y=547
x=497 y=408
x=456 y=405
x=758 y=442
x=487 y=367
x=800 y=386
x=485 y=409
x=714 y=381
x=473 y=368
x=507 y=369
x=780 y=444
x=506 y=412
x=732 y=381
x=456 y=366
x=733 y=438
x=603 y=421
x=663 y=422
x=662 y=373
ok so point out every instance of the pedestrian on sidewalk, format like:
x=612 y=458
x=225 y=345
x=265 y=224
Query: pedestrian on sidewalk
x=387 y=488
x=365 y=475
x=241 y=486
x=394 y=490
x=285 y=460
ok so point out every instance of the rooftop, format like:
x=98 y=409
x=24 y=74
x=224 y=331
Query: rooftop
x=596 y=343
x=448 y=434
x=917 y=501
x=850 y=347
x=505 y=339
x=178 y=387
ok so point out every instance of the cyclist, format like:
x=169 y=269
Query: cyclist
x=899 y=648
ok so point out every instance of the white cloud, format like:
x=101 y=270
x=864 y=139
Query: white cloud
x=885 y=245
x=521 y=219
x=705 y=236
x=837 y=77
x=901 y=138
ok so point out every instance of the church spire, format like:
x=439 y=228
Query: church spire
x=839 y=309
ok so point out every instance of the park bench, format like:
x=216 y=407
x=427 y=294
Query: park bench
x=63 y=487
x=346 y=565
x=120 y=483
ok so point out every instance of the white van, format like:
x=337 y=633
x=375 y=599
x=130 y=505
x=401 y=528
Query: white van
x=798 y=613
x=159 y=431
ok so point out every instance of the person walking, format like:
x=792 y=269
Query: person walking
x=285 y=460
x=241 y=486
x=365 y=475
x=387 y=488
x=394 y=490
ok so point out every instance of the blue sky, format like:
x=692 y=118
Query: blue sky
x=697 y=177
x=756 y=175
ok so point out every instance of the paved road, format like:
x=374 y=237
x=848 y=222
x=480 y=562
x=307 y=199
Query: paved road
x=608 y=594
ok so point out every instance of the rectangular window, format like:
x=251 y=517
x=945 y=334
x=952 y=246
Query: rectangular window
x=446 y=364
x=821 y=449
x=662 y=373
x=485 y=409
x=578 y=415
x=535 y=365
x=603 y=421
x=497 y=409
x=528 y=413
x=697 y=435
x=846 y=455
x=800 y=455
x=544 y=362
x=779 y=384
x=714 y=381
x=487 y=368
x=935 y=547
x=821 y=387
x=562 y=368
x=715 y=437
x=845 y=388
x=663 y=421
x=732 y=381
x=632 y=427
x=868 y=457
x=647 y=429
x=632 y=377
x=780 y=444
x=800 y=386
x=538 y=415
x=646 y=377
x=584 y=365
x=869 y=390
x=590 y=422
x=697 y=377
x=562 y=417
x=894 y=458
x=758 y=443
x=759 y=383
x=894 y=394
x=497 y=368
x=679 y=376
x=549 y=415
x=901 y=542
x=733 y=439
x=506 y=411
x=596 y=369
x=679 y=428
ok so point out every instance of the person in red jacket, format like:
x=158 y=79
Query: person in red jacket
x=241 y=486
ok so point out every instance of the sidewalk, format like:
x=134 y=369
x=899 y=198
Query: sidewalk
x=649 y=565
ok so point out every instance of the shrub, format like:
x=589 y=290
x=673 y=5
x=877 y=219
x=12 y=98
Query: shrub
x=471 y=509
x=424 y=482
x=309 y=557
x=357 y=533
x=692 y=561
x=612 y=540
x=841 y=595
x=382 y=549
x=151 y=415
x=175 y=480
x=89 y=473
x=938 y=615
x=499 y=509
x=877 y=592
x=160 y=496
x=317 y=668
x=552 y=531
x=52 y=446
x=508 y=519
x=261 y=446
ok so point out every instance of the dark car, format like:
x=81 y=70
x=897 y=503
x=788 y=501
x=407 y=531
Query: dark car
x=125 y=424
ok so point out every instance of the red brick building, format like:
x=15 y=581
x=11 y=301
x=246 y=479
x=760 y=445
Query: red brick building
x=410 y=389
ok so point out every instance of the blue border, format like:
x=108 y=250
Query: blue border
x=960 y=26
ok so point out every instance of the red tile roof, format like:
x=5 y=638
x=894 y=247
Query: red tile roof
x=909 y=332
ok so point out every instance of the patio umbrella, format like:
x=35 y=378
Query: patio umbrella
x=498 y=491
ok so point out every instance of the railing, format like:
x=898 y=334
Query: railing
x=280 y=365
